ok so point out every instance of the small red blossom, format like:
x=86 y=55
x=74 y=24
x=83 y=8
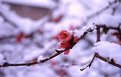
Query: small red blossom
x=64 y=45
x=53 y=63
x=67 y=40
x=20 y=36
x=76 y=39
x=67 y=52
x=117 y=34
x=119 y=42
x=64 y=36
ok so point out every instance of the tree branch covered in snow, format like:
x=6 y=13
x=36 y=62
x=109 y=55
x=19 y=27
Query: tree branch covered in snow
x=58 y=52
x=97 y=55
x=112 y=62
x=64 y=40
x=7 y=20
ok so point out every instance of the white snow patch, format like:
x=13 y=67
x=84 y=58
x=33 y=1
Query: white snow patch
x=40 y=58
x=84 y=29
x=2 y=61
x=109 y=20
x=107 y=49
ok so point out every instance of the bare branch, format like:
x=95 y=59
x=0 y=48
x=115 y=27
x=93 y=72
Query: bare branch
x=89 y=65
x=110 y=27
x=98 y=33
x=9 y=21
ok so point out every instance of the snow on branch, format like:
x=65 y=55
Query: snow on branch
x=100 y=47
x=108 y=50
x=56 y=53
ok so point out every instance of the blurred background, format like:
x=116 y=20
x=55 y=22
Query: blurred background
x=29 y=28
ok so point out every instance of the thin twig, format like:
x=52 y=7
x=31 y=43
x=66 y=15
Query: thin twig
x=108 y=61
x=109 y=27
x=89 y=65
x=9 y=21
x=98 y=33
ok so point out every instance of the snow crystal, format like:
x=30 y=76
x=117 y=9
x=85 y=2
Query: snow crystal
x=39 y=58
x=108 y=50
x=84 y=29
x=109 y=20
x=2 y=61
x=34 y=54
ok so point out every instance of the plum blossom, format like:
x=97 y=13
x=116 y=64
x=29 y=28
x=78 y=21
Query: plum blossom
x=64 y=36
x=67 y=40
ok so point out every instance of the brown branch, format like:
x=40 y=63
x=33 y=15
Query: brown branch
x=89 y=65
x=96 y=55
x=112 y=62
x=109 y=27
x=98 y=33
x=56 y=53
x=108 y=61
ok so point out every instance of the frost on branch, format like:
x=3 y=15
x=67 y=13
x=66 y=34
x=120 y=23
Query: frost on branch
x=39 y=58
x=108 y=50
x=83 y=30
x=2 y=61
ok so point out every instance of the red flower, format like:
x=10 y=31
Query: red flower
x=76 y=39
x=67 y=52
x=64 y=45
x=64 y=36
x=67 y=40
x=20 y=36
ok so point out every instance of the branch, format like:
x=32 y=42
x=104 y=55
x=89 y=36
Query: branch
x=110 y=27
x=98 y=33
x=108 y=61
x=9 y=21
x=112 y=62
x=96 y=55
x=89 y=65
x=56 y=53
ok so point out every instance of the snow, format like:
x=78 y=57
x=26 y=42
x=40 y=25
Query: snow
x=29 y=24
x=35 y=53
x=113 y=20
x=83 y=29
x=75 y=9
x=40 y=58
x=108 y=50
x=2 y=59
x=75 y=13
